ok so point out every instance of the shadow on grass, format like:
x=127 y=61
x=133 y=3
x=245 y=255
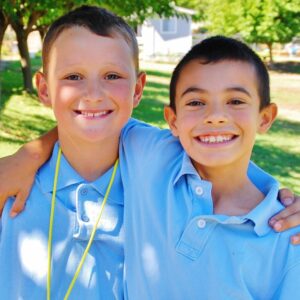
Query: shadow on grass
x=151 y=107
x=291 y=67
x=281 y=163
x=286 y=127
x=25 y=129
x=158 y=73
x=276 y=161
x=12 y=80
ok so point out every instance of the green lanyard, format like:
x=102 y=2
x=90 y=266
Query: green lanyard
x=112 y=178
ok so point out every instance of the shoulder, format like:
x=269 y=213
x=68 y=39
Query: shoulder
x=143 y=138
x=138 y=130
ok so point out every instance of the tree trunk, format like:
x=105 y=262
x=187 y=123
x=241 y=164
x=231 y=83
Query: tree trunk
x=270 y=47
x=3 y=26
x=42 y=31
x=25 y=60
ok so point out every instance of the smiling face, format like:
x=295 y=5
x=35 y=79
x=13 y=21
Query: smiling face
x=91 y=84
x=217 y=113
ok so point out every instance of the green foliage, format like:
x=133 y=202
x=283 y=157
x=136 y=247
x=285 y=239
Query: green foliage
x=198 y=5
x=259 y=21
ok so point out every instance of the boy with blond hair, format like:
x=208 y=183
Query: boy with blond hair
x=69 y=242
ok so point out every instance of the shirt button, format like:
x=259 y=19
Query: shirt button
x=199 y=190
x=201 y=223
x=85 y=218
x=84 y=191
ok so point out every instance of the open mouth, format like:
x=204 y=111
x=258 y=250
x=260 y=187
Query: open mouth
x=93 y=114
x=216 y=139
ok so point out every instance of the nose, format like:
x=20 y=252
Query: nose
x=216 y=114
x=94 y=91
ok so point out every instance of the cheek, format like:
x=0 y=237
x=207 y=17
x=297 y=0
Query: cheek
x=123 y=91
x=66 y=93
x=188 y=120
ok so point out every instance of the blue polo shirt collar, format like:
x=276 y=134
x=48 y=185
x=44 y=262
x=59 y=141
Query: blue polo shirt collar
x=261 y=213
x=186 y=168
x=68 y=176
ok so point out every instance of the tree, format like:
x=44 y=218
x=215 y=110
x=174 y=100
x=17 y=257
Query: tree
x=256 y=21
x=27 y=15
x=23 y=17
x=199 y=6
x=3 y=26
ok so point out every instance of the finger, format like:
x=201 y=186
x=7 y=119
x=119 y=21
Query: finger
x=295 y=239
x=285 y=213
x=291 y=221
x=286 y=197
x=18 y=204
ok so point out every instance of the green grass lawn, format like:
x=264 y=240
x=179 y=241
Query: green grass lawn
x=22 y=117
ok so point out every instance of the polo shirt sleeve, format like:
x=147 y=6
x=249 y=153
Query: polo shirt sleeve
x=143 y=140
x=289 y=286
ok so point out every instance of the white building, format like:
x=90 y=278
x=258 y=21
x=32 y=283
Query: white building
x=159 y=37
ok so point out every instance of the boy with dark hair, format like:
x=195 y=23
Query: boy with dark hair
x=197 y=226
x=90 y=78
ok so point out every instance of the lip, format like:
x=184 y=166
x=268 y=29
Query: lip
x=214 y=139
x=93 y=114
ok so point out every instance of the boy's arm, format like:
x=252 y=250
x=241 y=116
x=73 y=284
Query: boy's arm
x=17 y=171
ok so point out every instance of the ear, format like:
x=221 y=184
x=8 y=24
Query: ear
x=170 y=117
x=267 y=117
x=42 y=88
x=139 y=87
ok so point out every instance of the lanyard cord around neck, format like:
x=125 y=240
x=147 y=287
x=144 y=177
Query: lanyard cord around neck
x=112 y=178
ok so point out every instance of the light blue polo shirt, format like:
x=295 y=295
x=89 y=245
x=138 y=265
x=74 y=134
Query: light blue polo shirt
x=23 y=240
x=176 y=248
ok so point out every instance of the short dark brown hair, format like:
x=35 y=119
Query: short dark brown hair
x=220 y=48
x=96 y=19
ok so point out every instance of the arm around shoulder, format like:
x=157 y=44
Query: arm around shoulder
x=17 y=171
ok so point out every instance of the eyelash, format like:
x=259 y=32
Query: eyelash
x=236 y=102
x=195 y=103
x=72 y=77
x=75 y=77
x=112 y=76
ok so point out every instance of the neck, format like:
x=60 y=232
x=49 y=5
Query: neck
x=232 y=191
x=90 y=159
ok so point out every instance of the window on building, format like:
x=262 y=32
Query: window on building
x=169 y=25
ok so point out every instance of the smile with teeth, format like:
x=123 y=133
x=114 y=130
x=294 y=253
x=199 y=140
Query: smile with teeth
x=90 y=114
x=216 y=139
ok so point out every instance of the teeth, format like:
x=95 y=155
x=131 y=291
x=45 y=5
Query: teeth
x=93 y=115
x=215 y=139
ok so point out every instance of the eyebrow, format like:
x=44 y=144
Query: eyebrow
x=194 y=89
x=238 y=89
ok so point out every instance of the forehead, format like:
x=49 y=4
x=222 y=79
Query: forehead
x=78 y=43
x=217 y=75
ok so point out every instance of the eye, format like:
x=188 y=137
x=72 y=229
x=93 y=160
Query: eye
x=73 y=77
x=236 y=102
x=112 y=76
x=196 y=103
